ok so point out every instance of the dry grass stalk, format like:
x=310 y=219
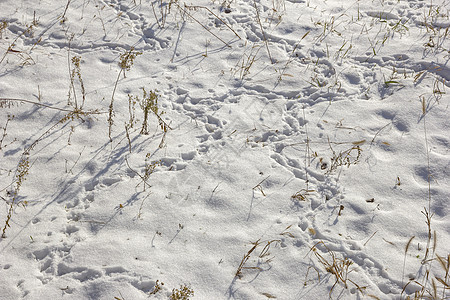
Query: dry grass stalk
x=216 y=16
x=338 y=267
x=258 y=186
x=263 y=33
x=404 y=259
x=433 y=292
x=291 y=57
x=126 y=61
x=244 y=260
x=21 y=173
x=264 y=253
x=344 y=158
x=301 y=195
x=244 y=64
x=4 y=134
x=24 y=164
x=198 y=22
x=148 y=170
x=76 y=72
x=164 y=10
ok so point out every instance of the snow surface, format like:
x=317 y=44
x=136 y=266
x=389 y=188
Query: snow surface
x=298 y=133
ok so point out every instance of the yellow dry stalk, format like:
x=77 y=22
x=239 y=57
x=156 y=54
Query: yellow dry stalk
x=22 y=171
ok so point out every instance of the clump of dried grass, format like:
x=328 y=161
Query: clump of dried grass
x=339 y=268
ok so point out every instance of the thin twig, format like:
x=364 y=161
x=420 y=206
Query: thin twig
x=228 y=45
x=195 y=6
x=370 y=238
x=263 y=33
x=135 y=172
x=46 y=106
x=65 y=9
x=378 y=133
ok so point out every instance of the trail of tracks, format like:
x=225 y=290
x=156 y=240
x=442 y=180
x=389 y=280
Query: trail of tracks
x=292 y=119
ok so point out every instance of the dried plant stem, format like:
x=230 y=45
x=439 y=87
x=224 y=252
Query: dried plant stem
x=4 y=134
x=71 y=74
x=373 y=234
x=291 y=57
x=307 y=151
x=404 y=258
x=65 y=9
x=244 y=259
x=126 y=61
x=263 y=33
x=14 y=43
x=144 y=180
x=427 y=212
x=163 y=15
x=111 y=107
x=375 y=136
x=258 y=186
x=5 y=100
x=263 y=254
x=218 y=18
x=21 y=173
x=339 y=268
x=192 y=17
x=24 y=163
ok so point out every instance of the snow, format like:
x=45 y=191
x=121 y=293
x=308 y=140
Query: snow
x=297 y=149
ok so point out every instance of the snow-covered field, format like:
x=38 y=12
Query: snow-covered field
x=230 y=149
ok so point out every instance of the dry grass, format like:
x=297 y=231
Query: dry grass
x=3 y=145
x=262 y=257
x=346 y=157
x=126 y=62
x=301 y=195
x=24 y=163
x=339 y=268
x=431 y=285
